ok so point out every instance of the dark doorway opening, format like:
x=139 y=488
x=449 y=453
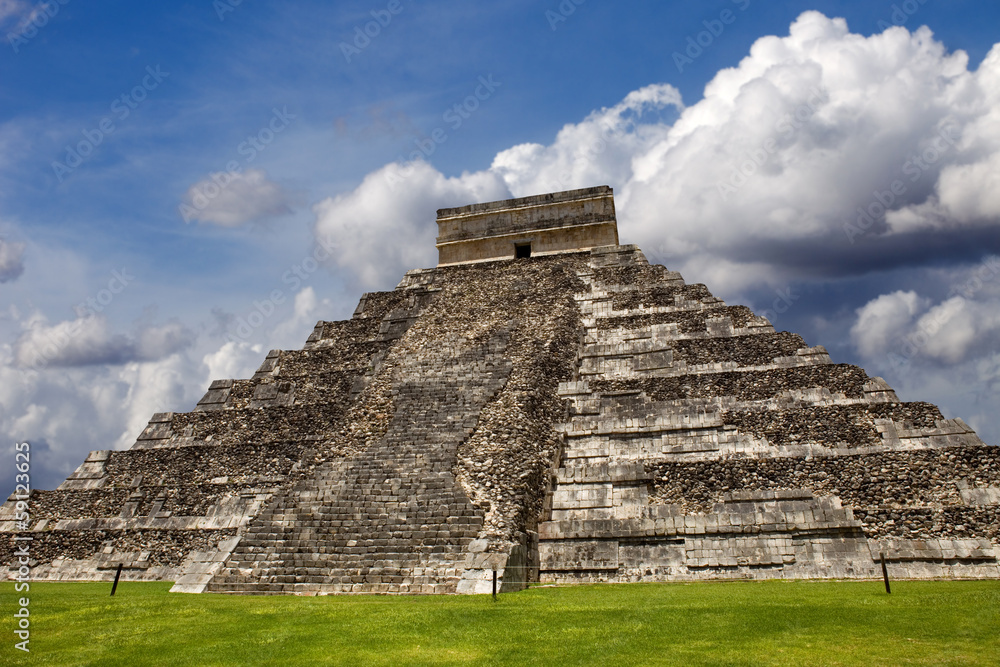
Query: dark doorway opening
x=522 y=250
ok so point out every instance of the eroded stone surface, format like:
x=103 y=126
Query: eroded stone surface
x=701 y=444
x=580 y=416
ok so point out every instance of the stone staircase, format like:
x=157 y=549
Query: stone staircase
x=174 y=506
x=392 y=519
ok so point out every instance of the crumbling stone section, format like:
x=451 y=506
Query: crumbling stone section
x=687 y=321
x=928 y=478
x=845 y=426
x=757 y=350
x=921 y=495
x=277 y=424
x=304 y=363
x=621 y=273
x=922 y=523
x=240 y=463
x=743 y=385
x=167 y=548
x=665 y=296
x=55 y=505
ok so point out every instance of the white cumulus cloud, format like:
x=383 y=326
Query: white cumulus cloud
x=600 y=149
x=89 y=340
x=883 y=321
x=823 y=152
x=387 y=224
x=943 y=349
x=903 y=328
x=235 y=359
x=232 y=199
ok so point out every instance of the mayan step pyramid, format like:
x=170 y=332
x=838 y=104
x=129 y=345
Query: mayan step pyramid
x=544 y=404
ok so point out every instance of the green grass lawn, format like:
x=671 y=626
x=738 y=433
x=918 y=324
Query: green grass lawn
x=737 y=623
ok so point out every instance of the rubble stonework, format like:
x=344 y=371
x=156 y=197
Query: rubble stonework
x=702 y=444
x=574 y=416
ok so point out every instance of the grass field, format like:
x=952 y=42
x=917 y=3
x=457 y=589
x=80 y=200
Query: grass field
x=738 y=623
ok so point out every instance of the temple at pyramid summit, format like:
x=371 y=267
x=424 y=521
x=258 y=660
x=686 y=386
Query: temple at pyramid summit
x=544 y=404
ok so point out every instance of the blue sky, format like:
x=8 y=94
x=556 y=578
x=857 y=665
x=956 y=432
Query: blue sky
x=311 y=118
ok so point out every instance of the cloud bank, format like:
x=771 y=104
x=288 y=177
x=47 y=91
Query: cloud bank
x=902 y=327
x=386 y=225
x=77 y=385
x=88 y=341
x=822 y=154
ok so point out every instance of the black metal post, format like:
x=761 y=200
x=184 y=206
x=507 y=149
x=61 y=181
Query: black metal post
x=114 y=586
x=494 y=585
x=885 y=572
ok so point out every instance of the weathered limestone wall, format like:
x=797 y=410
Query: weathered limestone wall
x=702 y=444
x=554 y=223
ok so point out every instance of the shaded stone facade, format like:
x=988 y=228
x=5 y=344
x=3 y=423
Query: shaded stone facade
x=530 y=226
x=574 y=416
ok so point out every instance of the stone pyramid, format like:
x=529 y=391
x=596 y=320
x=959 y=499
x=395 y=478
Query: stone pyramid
x=544 y=404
